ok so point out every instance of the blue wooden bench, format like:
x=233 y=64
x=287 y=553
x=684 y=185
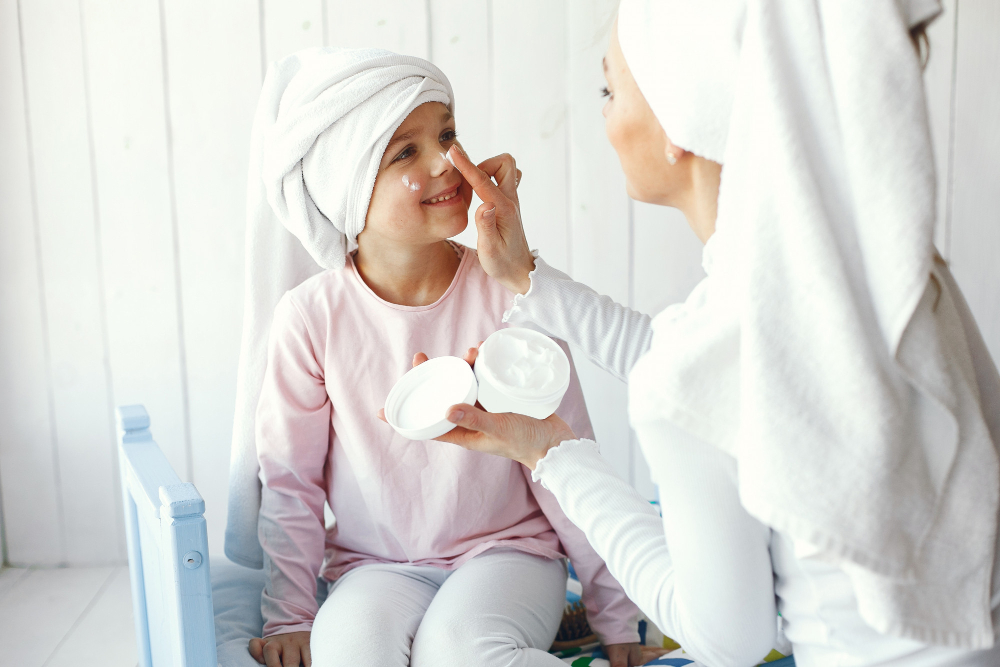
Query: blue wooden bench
x=175 y=621
x=167 y=552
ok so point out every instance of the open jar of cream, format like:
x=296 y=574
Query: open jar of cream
x=518 y=370
x=522 y=371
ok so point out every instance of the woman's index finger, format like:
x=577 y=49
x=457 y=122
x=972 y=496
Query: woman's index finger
x=477 y=178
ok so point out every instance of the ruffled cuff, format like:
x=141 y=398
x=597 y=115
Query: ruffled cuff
x=521 y=307
x=559 y=460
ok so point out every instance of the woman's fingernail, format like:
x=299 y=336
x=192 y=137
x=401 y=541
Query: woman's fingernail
x=456 y=416
x=489 y=213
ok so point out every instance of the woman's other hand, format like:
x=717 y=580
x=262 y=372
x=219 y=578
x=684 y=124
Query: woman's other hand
x=513 y=436
x=285 y=650
x=502 y=246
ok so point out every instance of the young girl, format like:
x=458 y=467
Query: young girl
x=439 y=556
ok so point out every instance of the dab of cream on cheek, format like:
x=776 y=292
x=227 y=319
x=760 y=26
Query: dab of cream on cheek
x=412 y=186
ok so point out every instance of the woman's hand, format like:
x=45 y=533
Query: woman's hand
x=286 y=650
x=503 y=249
x=523 y=439
x=513 y=436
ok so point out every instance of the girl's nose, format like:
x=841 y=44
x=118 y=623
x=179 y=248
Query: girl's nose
x=441 y=165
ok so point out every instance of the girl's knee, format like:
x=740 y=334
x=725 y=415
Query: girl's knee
x=492 y=641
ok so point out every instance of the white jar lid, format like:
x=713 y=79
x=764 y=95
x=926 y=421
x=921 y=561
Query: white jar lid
x=417 y=403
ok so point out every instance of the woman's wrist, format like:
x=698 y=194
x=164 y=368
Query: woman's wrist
x=520 y=282
x=560 y=433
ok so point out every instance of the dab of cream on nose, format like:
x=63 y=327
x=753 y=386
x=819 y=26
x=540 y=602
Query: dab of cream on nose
x=447 y=156
x=412 y=186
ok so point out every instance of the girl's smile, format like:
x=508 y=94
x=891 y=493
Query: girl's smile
x=448 y=197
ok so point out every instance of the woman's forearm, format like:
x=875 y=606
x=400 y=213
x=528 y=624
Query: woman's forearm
x=702 y=575
x=613 y=336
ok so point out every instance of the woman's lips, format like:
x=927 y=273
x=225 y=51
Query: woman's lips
x=446 y=198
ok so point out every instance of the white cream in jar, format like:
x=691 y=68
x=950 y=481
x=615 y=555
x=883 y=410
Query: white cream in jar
x=522 y=371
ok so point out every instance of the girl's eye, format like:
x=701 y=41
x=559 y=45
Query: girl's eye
x=407 y=152
x=605 y=92
x=449 y=135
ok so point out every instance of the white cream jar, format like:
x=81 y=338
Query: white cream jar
x=522 y=371
x=518 y=370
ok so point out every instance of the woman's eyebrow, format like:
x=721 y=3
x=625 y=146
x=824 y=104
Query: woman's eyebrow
x=446 y=116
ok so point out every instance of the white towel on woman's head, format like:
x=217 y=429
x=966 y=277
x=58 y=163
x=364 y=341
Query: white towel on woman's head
x=824 y=350
x=323 y=121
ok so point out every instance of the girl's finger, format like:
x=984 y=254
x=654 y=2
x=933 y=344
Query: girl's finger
x=291 y=654
x=256 y=649
x=419 y=358
x=272 y=654
x=471 y=356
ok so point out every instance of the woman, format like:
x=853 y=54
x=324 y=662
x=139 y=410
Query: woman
x=821 y=414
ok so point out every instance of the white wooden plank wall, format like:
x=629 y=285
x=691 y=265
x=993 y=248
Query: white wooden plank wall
x=122 y=183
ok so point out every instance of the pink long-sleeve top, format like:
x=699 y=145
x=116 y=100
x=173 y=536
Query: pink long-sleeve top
x=335 y=351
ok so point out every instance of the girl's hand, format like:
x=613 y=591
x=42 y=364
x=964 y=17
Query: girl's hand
x=523 y=439
x=631 y=655
x=286 y=650
x=502 y=246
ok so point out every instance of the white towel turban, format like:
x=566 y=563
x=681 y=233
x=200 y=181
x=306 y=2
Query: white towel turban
x=823 y=351
x=323 y=121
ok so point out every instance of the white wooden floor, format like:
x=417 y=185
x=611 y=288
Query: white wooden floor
x=66 y=617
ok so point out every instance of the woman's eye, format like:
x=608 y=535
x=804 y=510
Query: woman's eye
x=449 y=135
x=605 y=92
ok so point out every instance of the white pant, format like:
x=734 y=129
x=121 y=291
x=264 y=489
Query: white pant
x=500 y=608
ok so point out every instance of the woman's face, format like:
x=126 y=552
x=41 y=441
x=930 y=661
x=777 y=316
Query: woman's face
x=419 y=197
x=635 y=133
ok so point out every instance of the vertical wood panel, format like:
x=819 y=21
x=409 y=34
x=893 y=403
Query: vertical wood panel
x=975 y=214
x=291 y=25
x=127 y=109
x=402 y=26
x=938 y=78
x=460 y=46
x=71 y=268
x=599 y=214
x=32 y=519
x=213 y=81
x=529 y=115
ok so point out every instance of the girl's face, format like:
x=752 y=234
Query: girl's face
x=635 y=133
x=419 y=198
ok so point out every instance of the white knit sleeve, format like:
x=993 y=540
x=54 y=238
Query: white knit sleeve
x=613 y=336
x=703 y=574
